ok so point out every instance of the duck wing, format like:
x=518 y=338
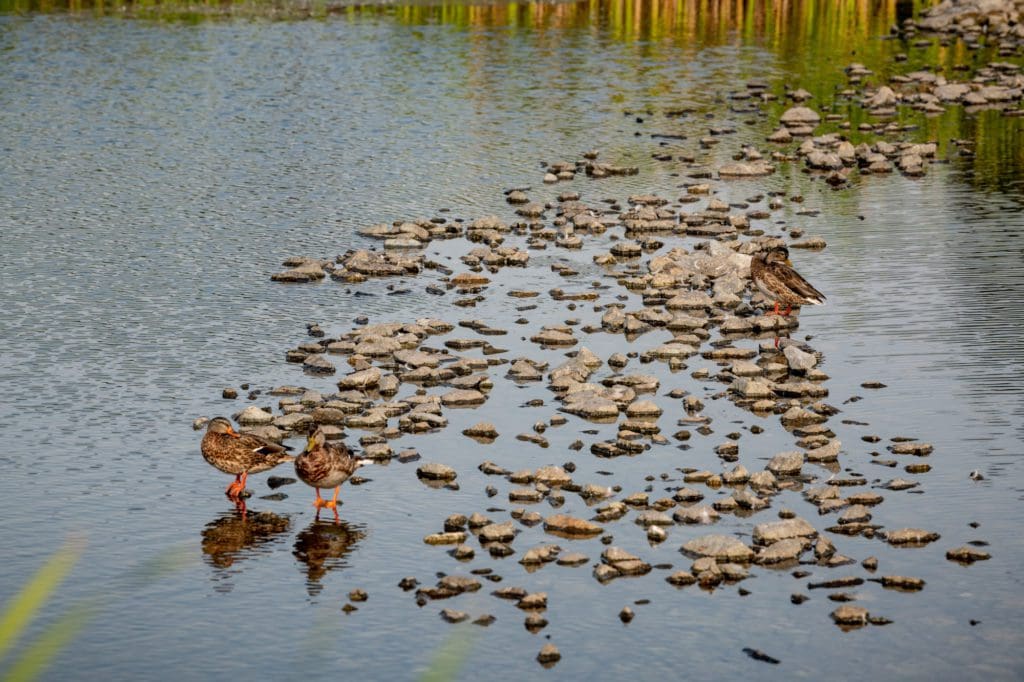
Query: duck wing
x=313 y=466
x=342 y=459
x=784 y=278
x=263 y=446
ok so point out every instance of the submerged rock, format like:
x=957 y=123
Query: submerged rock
x=967 y=555
x=767 y=533
x=561 y=524
x=435 y=471
x=910 y=536
x=720 y=547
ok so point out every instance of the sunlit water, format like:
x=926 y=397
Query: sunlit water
x=154 y=175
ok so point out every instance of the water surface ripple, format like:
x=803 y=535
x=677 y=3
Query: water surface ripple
x=155 y=174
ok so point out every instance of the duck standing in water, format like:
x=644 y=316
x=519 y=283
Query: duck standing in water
x=326 y=465
x=240 y=454
x=774 y=275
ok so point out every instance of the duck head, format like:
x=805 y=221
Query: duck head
x=222 y=425
x=777 y=255
x=315 y=440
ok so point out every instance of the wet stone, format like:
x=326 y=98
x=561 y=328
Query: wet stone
x=435 y=471
x=453 y=616
x=850 y=615
x=967 y=555
x=482 y=430
x=681 y=578
x=549 y=655
x=901 y=582
x=911 y=448
x=253 y=416
x=454 y=538
x=536 y=601
x=514 y=593
x=564 y=525
x=781 y=551
x=528 y=495
x=462 y=397
x=900 y=484
x=720 y=547
x=552 y=476
x=572 y=559
x=497 y=532
x=910 y=536
x=767 y=533
x=534 y=622
x=786 y=463
x=696 y=515
x=653 y=518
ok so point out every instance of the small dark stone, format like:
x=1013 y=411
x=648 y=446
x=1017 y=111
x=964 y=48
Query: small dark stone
x=759 y=655
x=274 y=482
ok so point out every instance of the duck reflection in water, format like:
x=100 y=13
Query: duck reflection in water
x=323 y=546
x=238 y=535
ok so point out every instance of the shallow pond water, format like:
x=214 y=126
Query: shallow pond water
x=156 y=173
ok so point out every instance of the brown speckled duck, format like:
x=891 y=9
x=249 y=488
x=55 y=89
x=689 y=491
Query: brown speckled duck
x=774 y=275
x=325 y=465
x=240 y=454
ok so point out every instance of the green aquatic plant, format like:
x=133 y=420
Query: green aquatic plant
x=39 y=591
x=26 y=605
x=450 y=658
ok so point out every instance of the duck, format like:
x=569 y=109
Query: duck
x=240 y=454
x=326 y=465
x=774 y=275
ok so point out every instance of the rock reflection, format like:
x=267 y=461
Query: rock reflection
x=238 y=535
x=322 y=547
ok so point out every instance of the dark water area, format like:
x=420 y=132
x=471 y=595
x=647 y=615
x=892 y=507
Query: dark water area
x=155 y=171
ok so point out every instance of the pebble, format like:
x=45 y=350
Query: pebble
x=572 y=559
x=967 y=555
x=482 y=430
x=549 y=654
x=901 y=582
x=850 y=615
x=453 y=616
x=782 y=551
x=910 y=536
x=445 y=538
x=497 y=532
x=767 y=533
x=723 y=547
x=537 y=601
x=436 y=472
